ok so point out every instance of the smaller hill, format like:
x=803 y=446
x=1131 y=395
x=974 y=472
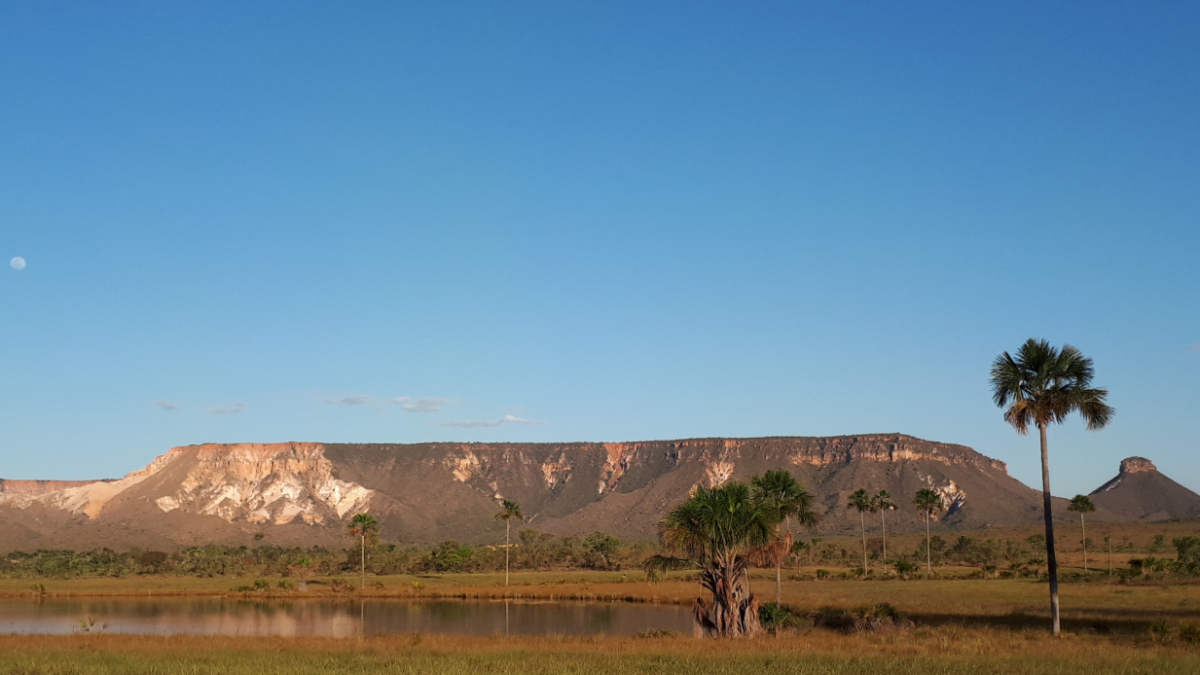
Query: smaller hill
x=1141 y=492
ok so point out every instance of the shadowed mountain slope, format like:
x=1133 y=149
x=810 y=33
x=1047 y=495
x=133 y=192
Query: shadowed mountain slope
x=1140 y=492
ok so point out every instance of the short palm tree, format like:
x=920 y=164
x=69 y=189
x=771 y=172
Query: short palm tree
x=508 y=510
x=364 y=526
x=302 y=567
x=862 y=501
x=716 y=532
x=928 y=501
x=790 y=499
x=1081 y=504
x=1039 y=386
x=882 y=502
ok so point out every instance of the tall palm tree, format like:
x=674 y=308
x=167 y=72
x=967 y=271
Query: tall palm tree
x=790 y=499
x=882 y=502
x=862 y=501
x=1039 y=386
x=508 y=510
x=1081 y=504
x=928 y=501
x=716 y=532
x=364 y=526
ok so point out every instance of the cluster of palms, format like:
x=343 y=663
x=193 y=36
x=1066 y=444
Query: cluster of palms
x=927 y=501
x=720 y=531
x=365 y=528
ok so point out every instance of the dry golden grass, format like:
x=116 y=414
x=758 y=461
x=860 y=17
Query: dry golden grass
x=947 y=649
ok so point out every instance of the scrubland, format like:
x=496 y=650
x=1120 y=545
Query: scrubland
x=968 y=619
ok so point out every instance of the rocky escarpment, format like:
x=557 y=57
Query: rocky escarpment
x=263 y=483
x=429 y=492
x=253 y=482
x=17 y=489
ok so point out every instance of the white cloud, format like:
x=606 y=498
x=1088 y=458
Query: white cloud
x=234 y=409
x=423 y=405
x=472 y=424
x=355 y=400
x=1194 y=347
x=165 y=405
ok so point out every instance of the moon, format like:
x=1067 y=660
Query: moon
x=18 y=263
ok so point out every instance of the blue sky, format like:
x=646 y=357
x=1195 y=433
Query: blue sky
x=592 y=221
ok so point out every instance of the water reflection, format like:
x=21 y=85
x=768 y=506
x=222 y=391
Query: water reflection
x=219 y=616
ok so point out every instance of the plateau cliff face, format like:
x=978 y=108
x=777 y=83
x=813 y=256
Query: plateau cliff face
x=303 y=493
x=626 y=488
x=275 y=483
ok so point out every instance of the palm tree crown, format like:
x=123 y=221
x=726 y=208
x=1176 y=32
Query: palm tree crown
x=363 y=525
x=1043 y=385
x=860 y=500
x=1081 y=504
x=789 y=495
x=508 y=510
x=928 y=501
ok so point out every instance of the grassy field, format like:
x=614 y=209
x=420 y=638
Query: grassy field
x=946 y=649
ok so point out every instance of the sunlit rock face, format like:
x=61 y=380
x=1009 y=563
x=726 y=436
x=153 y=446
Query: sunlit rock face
x=1137 y=465
x=264 y=483
x=274 y=483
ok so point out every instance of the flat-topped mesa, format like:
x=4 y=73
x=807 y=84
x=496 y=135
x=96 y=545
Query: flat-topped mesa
x=37 y=488
x=1137 y=465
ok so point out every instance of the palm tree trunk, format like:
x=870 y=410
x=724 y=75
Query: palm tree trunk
x=779 y=562
x=1083 y=527
x=363 y=566
x=1109 y=542
x=928 y=556
x=863 y=523
x=507 y=528
x=778 y=588
x=1051 y=558
x=883 y=560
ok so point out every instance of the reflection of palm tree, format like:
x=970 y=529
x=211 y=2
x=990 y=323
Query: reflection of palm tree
x=861 y=501
x=790 y=498
x=1081 y=505
x=928 y=501
x=508 y=511
x=883 y=503
x=1039 y=386
x=364 y=526
x=716 y=531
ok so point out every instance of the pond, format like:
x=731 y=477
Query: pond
x=336 y=618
